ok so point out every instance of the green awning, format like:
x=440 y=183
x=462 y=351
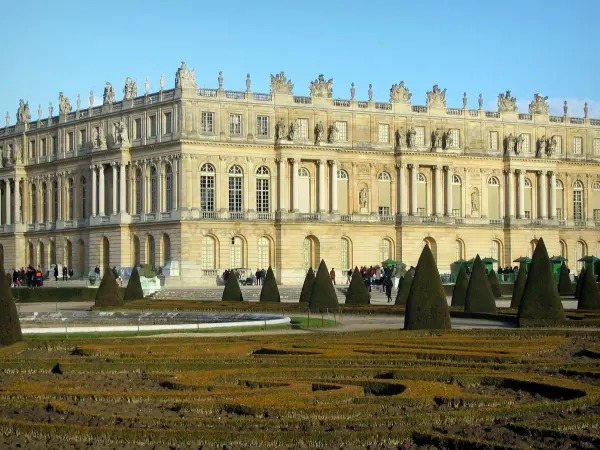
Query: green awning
x=523 y=259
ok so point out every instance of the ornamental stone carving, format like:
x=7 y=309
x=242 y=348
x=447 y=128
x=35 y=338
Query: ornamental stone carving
x=23 y=114
x=7 y=119
x=40 y=112
x=539 y=105
x=121 y=132
x=448 y=140
x=551 y=146
x=318 y=132
x=541 y=146
x=436 y=98
x=279 y=130
x=184 y=78
x=130 y=89
x=436 y=139
x=480 y=101
x=509 y=144
x=507 y=103
x=291 y=131
x=398 y=138
x=331 y=130
x=411 y=137
x=400 y=94
x=321 y=88
x=363 y=197
x=519 y=144
x=109 y=94
x=281 y=85
x=64 y=104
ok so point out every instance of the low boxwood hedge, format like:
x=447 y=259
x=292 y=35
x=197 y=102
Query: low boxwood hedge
x=60 y=294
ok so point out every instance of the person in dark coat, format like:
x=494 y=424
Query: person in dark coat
x=55 y=272
x=388 y=284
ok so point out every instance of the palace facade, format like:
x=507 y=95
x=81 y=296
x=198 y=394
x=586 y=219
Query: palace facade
x=201 y=180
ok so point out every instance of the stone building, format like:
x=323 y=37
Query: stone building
x=201 y=180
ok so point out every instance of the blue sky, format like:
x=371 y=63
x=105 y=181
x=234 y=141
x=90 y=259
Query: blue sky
x=544 y=46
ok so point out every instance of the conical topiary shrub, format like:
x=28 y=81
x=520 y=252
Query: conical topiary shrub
x=479 y=297
x=565 y=287
x=232 y=291
x=309 y=280
x=580 y=279
x=270 y=291
x=133 y=291
x=540 y=304
x=108 y=292
x=404 y=289
x=357 y=292
x=459 y=293
x=518 y=287
x=589 y=295
x=323 y=297
x=493 y=279
x=426 y=306
x=10 y=327
x=9 y=279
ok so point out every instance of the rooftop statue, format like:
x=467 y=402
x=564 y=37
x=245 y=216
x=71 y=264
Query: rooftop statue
x=281 y=85
x=185 y=78
x=331 y=130
x=7 y=118
x=121 y=133
x=162 y=81
x=539 y=105
x=510 y=142
x=23 y=114
x=318 y=132
x=147 y=86
x=411 y=137
x=321 y=88
x=130 y=89
x=109 y=94
x=64 y=104
x=436 y=98
x=40 y=112
x=541 y=147
x=507 y=103
x=91 y=99
x=400 y=94
x=248 y=82
x=551 y=146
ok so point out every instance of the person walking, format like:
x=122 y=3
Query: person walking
x=332 y=275
x=349 y=276
x=55 y=272
x=65 y=271
x=388 y=288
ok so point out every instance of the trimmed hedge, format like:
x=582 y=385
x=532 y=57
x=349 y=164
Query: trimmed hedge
x=460 y=288
x=307 y=286
x=479 y=297
x=270 y=291
x=108 y=292
x=589 y=295
x=323 y=296
x=232 y=291
x=134 y=291
x=357 y=291
x=493 y=279
x=565 y=287
x=426 y=306
x=10 y=327
x=404 y=289
x=519 y=287
x=60 y=294
x=540 y=304
x=580 y=279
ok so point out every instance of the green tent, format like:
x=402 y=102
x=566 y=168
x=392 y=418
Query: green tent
x=556 y=264
x=489 y=263
x=455 y=268
x=591 y=262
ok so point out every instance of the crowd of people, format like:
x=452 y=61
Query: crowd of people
x=383 y=278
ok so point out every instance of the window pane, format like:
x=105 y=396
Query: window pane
x=384 y=133
x=207 y=122
x=207 y=193
x=235 y=194
x=262 y=195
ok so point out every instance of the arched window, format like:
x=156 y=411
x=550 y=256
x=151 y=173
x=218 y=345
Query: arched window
x=456 y=196
x=304 y=191
x=342 y=175
x=527 y=182
x=138 y=191
x=460 y=250
x=560 y=210
x=264 y=252
x=236 y=256
x=596 y=201
x=421 y=195
x=578 y=201
x=563 y=249
x=153 y=190
x=71 y=188
x=384 y=176
x=303 y=172
x=34 y=200
x=342 y=191
x=84 y=211
x=493 y=194
x=385 y=194
x=236 y=192
x=150 y=251
x=528 y=199
x=55 y=201
x=580 y=252
x=165 y=254
x=430 y=242
x=168 y=188
x=208 y=252
x=456 y=179
x=532 y=245
x=207 y=187
x=385 y=249
x=45 y=203
x=345 y=254
x=495 y=253
x=310 y=252
x=493 y=181
x=263 y=200
x=421 y=178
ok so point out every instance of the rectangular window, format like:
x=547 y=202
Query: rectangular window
x=384 y=210
x=384 y=133
x=70 y=141
x=577 y=146
x=455 y=137
x=302 y=131
x=207 y=122
x=341 y=133
x=235 y=124
x=44 y=148
x=559 y=214
x=31 y=149
x=596 y=146
x=207 y=193
x=262 y=195
x=137 y=130
x=558 y=144
x=262 y=125
x=168 y=123
x=152 y=126
x=54 y=145
x=493 y=140
x=235 y=194
x=528 y=214
x=82 y=138
x=420 y=136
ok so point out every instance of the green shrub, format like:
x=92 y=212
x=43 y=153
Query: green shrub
x=134 y=291
x=9 y=279
x=309 y=280
x=270 y=291
x=10 y=327
x=357 y=292
x=404 y=289
x=323 y=297
x=146 y=271
x=518 y=287
x=232 y=291
x=565 y=287
x=493 y=280
x=479 y=297
x=108 y=292
x=426 y=306
x=589 y=295
x=460 y=287
x=540 y=304
x=59 y=294
x=580 y=279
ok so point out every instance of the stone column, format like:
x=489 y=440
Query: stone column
x=122 y=189
x=542 y=183
x=114 y=187
x=294 y=162
x=101 y=202
x=321 y=169
x=521 y=174
x=175 y=167
x=334 y=187
x=510 y=183
x=281 y=184
x=414 y=168
x=449 y=206
x=7 y=199
x=17 y=201
x=94 y=192
x=437 y=190
x=552 y=212
x=59 y=185
x=401 y=190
